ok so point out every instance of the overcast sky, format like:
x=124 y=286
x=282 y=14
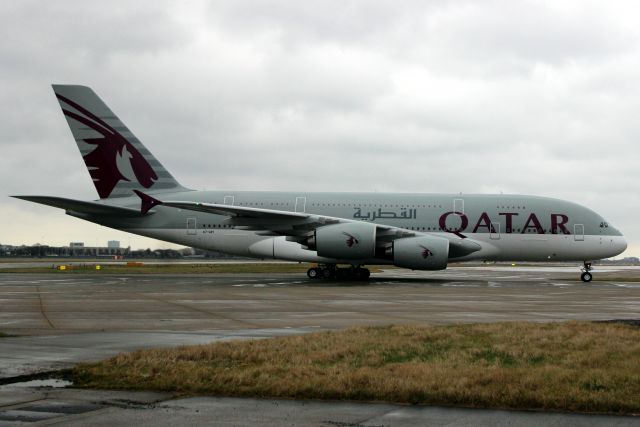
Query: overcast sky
x=527 y=97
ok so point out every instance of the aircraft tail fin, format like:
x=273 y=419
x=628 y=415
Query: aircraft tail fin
x=117 y=161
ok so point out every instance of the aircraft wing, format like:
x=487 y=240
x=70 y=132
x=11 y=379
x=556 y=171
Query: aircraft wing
x=263 y=221
x=297 y=226
x=236 y=211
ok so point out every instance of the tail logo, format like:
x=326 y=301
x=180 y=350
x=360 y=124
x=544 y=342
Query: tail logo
x=351 y=240
x=114 y=159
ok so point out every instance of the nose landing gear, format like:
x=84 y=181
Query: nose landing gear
x=586 y=275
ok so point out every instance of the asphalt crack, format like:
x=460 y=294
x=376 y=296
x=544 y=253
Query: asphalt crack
x=42 y=310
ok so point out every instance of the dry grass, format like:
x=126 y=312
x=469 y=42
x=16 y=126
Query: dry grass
x=572 y=366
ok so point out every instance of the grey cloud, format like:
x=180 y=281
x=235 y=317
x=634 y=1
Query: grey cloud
x=296 y=24
x=525 y=97
x=80 y=31
x=538 y=32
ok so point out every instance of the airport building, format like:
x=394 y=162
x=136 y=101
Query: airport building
x=112 y=250
x=74 y=250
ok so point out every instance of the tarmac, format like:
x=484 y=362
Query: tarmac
x=61 y=320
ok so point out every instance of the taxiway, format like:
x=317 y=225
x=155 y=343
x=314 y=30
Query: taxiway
x=63 y=319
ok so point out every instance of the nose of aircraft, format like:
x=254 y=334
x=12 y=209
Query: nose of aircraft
x=623 y=244
x=619 y=244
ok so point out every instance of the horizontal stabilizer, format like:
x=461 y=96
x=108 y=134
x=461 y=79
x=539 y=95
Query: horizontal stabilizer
x=91 y=208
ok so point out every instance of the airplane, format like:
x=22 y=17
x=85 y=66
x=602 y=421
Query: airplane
x=414 y=231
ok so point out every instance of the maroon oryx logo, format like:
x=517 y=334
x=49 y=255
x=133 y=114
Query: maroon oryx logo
x=114 y=158
x=351 y=240
x=426 y=252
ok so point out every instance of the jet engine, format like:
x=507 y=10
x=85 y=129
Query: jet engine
x=421 y=253
x=346 y=241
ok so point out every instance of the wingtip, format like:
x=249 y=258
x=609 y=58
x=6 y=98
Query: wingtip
x=58 y=86
x=22 y=197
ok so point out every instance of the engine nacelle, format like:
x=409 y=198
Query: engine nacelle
x=421 y=253
x=346 y=241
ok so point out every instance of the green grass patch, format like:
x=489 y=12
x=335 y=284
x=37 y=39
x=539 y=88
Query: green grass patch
x=168 y=268
x=569 y=366
x=257 y=267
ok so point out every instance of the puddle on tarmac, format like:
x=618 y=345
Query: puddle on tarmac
x=51 y=382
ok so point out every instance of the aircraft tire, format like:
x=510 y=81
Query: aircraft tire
x=361 y=274
x=313 y=273
x=586 y=277
x=328 y=273
x=342 y=273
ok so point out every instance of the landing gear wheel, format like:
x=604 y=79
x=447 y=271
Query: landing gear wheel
x=313 y=273
x=363 y=273
x=328 y=273
x=586 y=276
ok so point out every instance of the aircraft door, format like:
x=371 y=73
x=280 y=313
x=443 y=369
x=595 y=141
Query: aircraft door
x=191 y=226
x=494 y=233
x=228 y=200
x=301 y=204
x=578 y=232
x=458 y=206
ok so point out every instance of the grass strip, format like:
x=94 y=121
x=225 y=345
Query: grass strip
x=258 y=267
x=568 y=366
x=168 y=268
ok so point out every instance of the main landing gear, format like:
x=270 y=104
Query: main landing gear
x=586 y=276
x=333 y=272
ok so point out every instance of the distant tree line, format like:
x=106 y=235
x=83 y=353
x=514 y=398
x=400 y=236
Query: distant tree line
x=44 y=251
